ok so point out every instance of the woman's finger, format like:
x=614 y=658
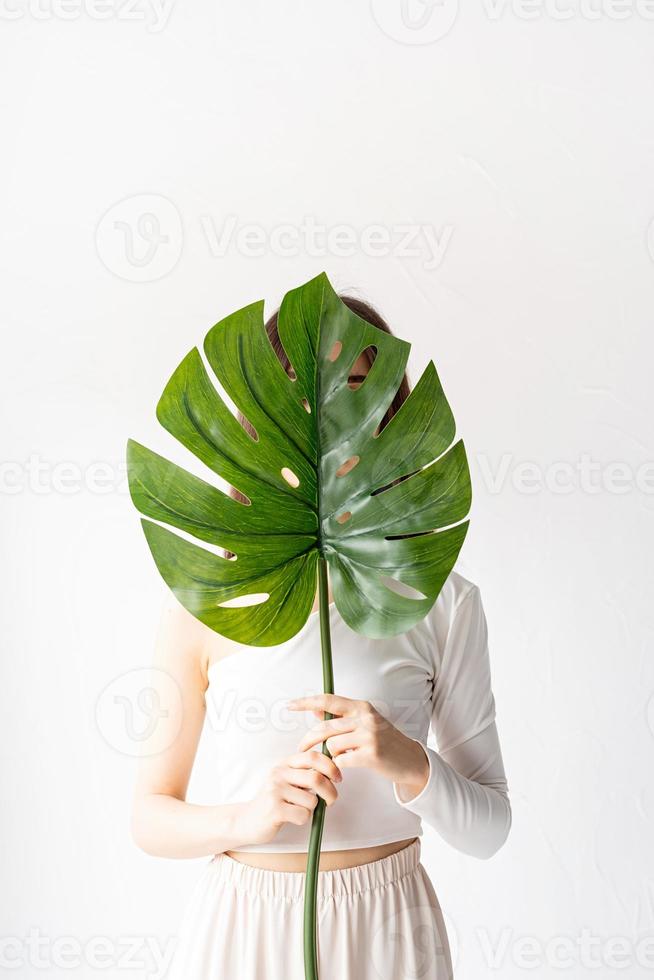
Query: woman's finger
x=300 y=797
x=340 y=745
x=318 y=761
x=308 y=780
x=339 y=742
x=335 y=726
x=354 y=759
x=333 y=703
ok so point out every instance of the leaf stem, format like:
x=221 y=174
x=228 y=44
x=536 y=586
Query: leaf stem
x=318 y=819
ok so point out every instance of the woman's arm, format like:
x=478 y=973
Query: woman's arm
x=163 y=823
x=465 y=797
x=466 y=794
x=462 y=793
x=460 y=790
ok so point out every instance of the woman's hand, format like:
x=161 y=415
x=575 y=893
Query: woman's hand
x=289 y=795
x=359 y=737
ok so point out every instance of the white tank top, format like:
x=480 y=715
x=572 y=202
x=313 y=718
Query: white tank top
x=436 y=677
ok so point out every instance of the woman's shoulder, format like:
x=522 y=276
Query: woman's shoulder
x=184 y=635
x=456 y=590
x=455 y=596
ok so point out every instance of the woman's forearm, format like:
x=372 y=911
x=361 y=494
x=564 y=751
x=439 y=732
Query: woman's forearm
x=474 y=817
x=465 y=797
x=164 y=826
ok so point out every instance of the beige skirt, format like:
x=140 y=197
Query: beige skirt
x=378 y=921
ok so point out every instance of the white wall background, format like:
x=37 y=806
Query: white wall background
x=522 y=140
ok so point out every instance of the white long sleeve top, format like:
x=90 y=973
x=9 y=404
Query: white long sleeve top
x=433 y=678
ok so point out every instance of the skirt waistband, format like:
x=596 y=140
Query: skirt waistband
x=289 y=885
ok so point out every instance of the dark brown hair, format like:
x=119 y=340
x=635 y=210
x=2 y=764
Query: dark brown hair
x=367 y=313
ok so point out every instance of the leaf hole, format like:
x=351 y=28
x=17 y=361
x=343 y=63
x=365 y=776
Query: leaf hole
x=347 y=466
x=290 y=477
x=356 y=378
x=412 y=534
x=335 y=351
x=401 y=588
x=393 y=483
x=249 y=428
x=239 y=497
x=243 y=601
x=344 y=517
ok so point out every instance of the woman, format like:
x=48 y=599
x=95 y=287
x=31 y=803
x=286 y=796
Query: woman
x=378 y=915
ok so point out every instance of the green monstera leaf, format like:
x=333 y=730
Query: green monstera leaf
x=385 y=509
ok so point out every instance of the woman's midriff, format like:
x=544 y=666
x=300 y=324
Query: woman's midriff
x=329 y=860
